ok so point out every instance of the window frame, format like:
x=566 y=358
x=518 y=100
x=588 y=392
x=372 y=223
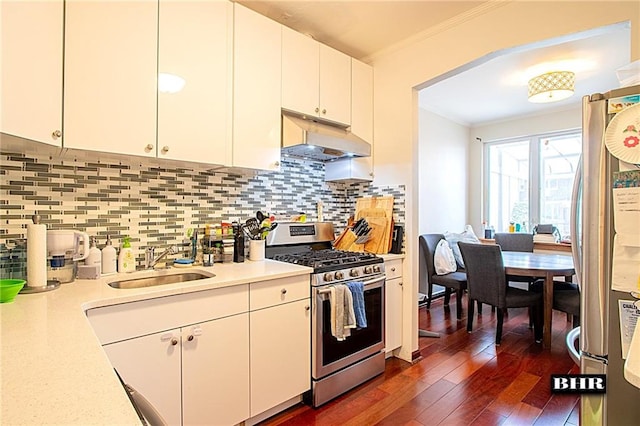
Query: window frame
x=534 y=170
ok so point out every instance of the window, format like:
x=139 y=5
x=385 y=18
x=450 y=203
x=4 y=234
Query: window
x=529 y=181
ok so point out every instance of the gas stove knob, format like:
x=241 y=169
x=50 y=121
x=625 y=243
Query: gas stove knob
x=367 y=269
x=339 y=275
x=376 y=268
x=354 y=273
x=327 y=277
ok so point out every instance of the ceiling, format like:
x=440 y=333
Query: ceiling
x=492 y=89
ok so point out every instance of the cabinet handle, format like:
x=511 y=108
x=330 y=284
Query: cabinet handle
x=400 y=283
x=307 y=307
x=174 y=341
x=165 y=149
x=149 y=147
x=283 y=291
x=324 y=111
x=393 y=269
x=277 y=164
x=56 y=134
x=371 y=174
x=190 y=337
x=317 y=109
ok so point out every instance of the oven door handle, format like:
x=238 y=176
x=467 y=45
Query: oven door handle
x=365 y=284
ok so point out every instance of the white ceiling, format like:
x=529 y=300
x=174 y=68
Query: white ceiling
x=491 y=89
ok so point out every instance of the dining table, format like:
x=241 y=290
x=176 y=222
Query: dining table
x=540 y=265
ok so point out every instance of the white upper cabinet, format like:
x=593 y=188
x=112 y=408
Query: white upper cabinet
x=194 y=80
x=257 y=90
x=335 y=85
x=31 y=100
x=110 y=79
x=362 y=100
x=316 y=79
x=300 y=73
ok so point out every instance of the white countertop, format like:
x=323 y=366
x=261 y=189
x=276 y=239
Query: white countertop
x=390 y=256
x=54 y=370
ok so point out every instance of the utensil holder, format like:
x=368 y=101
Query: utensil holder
x=256 y=249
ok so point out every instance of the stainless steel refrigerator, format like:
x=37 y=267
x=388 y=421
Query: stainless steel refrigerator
x=593 y=231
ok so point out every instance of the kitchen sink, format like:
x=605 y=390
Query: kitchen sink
x=161 y=279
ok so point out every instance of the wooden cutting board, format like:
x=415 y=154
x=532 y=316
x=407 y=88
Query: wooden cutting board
x=377 y=208
x=384 y=203
x=378 y=243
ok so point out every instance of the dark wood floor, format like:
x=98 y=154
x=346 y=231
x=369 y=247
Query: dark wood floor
x=462 y=379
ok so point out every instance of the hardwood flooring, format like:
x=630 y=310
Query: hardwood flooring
x=461 y=379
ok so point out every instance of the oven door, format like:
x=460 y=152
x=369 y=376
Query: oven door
x=330 y=355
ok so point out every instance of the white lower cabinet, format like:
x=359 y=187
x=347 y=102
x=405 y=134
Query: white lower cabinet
x=280 y=354
x=151 y=365
x=393 y=305
x=193 y=375
x=214 y=357
x=280 y=324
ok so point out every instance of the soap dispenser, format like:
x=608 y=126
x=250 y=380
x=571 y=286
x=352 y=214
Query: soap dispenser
x=109 y=258
x=95 y=256
x=126 y=259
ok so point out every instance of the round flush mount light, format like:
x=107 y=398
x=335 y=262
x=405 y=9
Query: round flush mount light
x=552 y=86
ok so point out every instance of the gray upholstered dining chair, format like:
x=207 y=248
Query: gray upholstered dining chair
x=487 y=283
x=567 y=299
x=516 y=241
x=456 y=281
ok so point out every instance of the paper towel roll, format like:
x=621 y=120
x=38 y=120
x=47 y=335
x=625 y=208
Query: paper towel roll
x=36 y=255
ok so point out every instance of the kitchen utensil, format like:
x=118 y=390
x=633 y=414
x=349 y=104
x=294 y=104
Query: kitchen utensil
x=266 y=229
x=9 y=288
x=253 y=226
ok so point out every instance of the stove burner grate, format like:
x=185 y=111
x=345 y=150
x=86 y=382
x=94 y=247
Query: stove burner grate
x=327 y=258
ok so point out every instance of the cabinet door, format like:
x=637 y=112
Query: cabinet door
x=335 y=85
x=110 y=78
x=300 y=72
x=31 y=101
x=393 y=314
x=256 y=90
x=215 y=371
x=151 y=365
x=280 y=354
x=362 y=100
x=194 y=49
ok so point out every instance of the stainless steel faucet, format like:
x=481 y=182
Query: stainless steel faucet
x=150 y=261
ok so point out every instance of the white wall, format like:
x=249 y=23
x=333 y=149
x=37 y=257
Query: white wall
x=492 y=27
x=530 y=125
x=442 y=174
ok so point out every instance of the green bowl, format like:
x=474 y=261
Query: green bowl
x=9 y=289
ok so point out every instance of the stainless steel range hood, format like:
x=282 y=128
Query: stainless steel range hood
x=318 y=141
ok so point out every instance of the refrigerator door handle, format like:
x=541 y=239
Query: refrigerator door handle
x=575 y=232
x=571 y=339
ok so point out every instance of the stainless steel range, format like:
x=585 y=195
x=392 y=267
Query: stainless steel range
x=336 y=366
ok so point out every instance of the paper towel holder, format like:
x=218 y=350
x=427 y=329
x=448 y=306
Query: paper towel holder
x=51 y=284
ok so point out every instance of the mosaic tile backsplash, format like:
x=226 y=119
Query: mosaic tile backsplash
x=156 y=203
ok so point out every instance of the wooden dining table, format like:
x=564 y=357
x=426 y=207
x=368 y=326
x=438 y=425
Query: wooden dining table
x=540 y=265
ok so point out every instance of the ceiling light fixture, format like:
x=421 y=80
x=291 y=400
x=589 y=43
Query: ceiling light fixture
x=551 y=87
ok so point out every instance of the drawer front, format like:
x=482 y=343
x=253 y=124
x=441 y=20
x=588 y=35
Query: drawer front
x=125 y=321
x=393 y=269
x=277 y=292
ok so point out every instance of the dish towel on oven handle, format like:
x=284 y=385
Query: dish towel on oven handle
x=342 y=316
x=357 y=291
